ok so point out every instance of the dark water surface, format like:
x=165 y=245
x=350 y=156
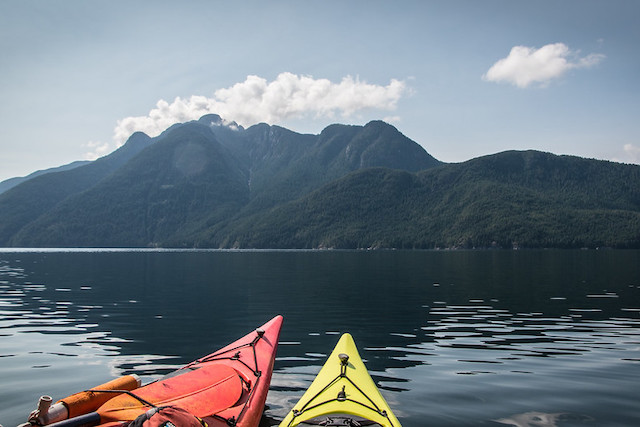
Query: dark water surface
x=452 y=338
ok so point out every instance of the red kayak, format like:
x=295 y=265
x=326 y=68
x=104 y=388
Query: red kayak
x=225 y=388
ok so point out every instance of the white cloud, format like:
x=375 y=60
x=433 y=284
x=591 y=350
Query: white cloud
x=392 y=119
x=632 y=153
x=257 y=100
x=97 y=149
x=527 y=65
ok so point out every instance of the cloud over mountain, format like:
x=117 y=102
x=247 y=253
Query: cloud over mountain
x=527 y=65
x=632 y=153
x=257 y=100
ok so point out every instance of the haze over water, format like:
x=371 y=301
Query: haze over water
x=452 y=338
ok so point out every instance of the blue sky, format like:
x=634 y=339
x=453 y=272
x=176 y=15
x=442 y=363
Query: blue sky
x=461 y=78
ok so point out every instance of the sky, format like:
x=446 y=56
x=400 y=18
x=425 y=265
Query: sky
x=463 y=78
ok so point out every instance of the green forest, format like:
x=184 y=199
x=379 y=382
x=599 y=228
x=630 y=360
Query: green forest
x=204 y=185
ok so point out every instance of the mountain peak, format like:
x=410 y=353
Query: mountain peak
x=379 y=124
x=211 y=183
x=210 y=119
x=138 y=137
x=215 y=120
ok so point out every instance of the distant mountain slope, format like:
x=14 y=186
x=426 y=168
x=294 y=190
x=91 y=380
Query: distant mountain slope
x=212 y=183
x=181 y=188
x=176 y=186
x=291 y=172
x=12 y=182
x=26 y=202
x=523 y=199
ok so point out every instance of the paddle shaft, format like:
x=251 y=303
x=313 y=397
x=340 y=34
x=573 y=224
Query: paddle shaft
x=87 y=420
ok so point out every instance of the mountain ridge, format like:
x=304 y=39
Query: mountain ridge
x=212 y=183
x=9 y=183
x=25 y=202
x=448 y=210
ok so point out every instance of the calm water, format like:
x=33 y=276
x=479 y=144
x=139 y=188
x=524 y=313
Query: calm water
x=452 y=338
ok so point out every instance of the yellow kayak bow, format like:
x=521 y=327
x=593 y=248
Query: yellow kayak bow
x=342 y=393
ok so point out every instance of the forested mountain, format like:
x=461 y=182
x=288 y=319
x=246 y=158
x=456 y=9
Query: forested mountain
x=209 y=183
x=511 y=199
x=8 y=184
x=35 y=197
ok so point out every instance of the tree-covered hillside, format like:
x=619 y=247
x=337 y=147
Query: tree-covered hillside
x=511 y=199
x=184 y=187
x=25 y=203
x=210 y=183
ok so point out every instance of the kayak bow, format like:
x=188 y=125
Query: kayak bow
x=226 y=388
x=342 y=393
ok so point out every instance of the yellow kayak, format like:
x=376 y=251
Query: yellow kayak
x=342 y=394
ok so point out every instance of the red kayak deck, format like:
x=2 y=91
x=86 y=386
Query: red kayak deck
x=228 y=387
